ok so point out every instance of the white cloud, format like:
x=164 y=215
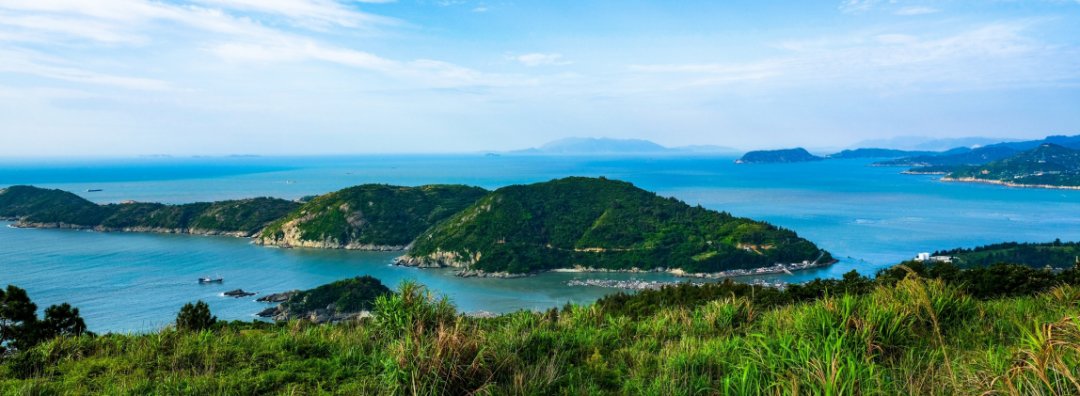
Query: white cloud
x=41 y=66
x=987 y=56
x=312 y=13
x=485 y=9
x=916 y=10
x=541 y=59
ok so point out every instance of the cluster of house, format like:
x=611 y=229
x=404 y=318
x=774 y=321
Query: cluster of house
x=924 y=257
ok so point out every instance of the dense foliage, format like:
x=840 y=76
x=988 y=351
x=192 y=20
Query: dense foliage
x=48 y=206
x=32 y=205
x=1056 y=254
x=798 y=154
x=348 y=295
x=602 y=223
x=1048 y=164
x=983 y=282
x=371 y=214
x=195 y=317
x=20 y=328
x=915 y=336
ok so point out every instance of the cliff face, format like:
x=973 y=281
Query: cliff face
x=368 y=217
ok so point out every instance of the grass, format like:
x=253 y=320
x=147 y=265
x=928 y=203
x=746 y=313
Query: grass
x=919 y=336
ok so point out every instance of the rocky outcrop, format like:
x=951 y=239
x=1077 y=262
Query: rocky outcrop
x=238 y=293
x=318 y=316
x=278 y=297
x=438 y=259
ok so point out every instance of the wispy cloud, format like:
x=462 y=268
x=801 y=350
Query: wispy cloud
x=541 y=59
x=42 y=66
x=992 y=55
x=916 y=10
x=310 y=13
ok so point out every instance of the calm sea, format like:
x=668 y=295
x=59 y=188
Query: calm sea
x=869 y=217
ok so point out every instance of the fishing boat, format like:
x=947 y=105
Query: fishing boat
x=93 y=189
x=207 y=279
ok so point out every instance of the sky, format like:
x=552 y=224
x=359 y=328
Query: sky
x=298 y=77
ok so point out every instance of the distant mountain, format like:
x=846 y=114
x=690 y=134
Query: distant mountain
x=925 y=143
x=1048 y=165
x=798 y=154
x=981 y=155
x=608 y=146
x=878 y=153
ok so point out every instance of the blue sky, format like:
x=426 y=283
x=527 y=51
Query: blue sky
x=133 y=77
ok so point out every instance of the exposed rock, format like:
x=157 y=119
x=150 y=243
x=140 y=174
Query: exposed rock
x=269 y=312
x=238 y=293
x=278 y=297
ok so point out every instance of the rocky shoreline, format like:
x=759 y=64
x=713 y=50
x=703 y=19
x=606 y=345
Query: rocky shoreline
x=156 y=230
x=451 y=260
x=1006 y=184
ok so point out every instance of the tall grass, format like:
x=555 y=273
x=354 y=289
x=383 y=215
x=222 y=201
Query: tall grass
x=920 y=337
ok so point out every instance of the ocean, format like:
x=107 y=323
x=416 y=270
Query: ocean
x=868 y=217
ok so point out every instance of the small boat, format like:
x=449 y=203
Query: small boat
x=93 y=189
x=208 y=279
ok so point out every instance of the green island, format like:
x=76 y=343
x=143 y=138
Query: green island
x=797 y=154
x=1047 y=166
x=917 y=328
x=46 y=208
x=601 y=224
x=570 y=223
x=368 y=217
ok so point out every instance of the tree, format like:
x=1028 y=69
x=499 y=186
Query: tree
x=195 y=317
x=18 y=319
x=62 y=320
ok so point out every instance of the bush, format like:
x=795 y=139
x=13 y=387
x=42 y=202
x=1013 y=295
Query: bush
x=195 y=317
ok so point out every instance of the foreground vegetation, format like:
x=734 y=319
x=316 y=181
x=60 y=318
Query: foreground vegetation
x=900 y=333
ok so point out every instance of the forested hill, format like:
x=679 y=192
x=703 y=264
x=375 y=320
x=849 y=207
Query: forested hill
x=601 y=223
x=1048 y=165
x=370 y=216
x=1055 y=254
x=39 y=207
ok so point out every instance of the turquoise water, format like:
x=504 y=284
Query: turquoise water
x=869 y=217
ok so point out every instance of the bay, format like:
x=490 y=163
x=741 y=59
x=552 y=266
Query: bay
x=869 y=217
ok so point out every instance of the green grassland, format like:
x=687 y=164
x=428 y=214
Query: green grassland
x=902 y=333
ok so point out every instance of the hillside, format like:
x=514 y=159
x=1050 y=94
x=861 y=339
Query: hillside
x=778 y=156
x=1057 y=254
x=1048 y=165
x=600 y=223
x=368 y=217
x=38 y=207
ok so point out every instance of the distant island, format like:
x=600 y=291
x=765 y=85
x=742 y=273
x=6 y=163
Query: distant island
x=798 y=154
x=574 y=223
x=610 y=146
x=877 y=153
